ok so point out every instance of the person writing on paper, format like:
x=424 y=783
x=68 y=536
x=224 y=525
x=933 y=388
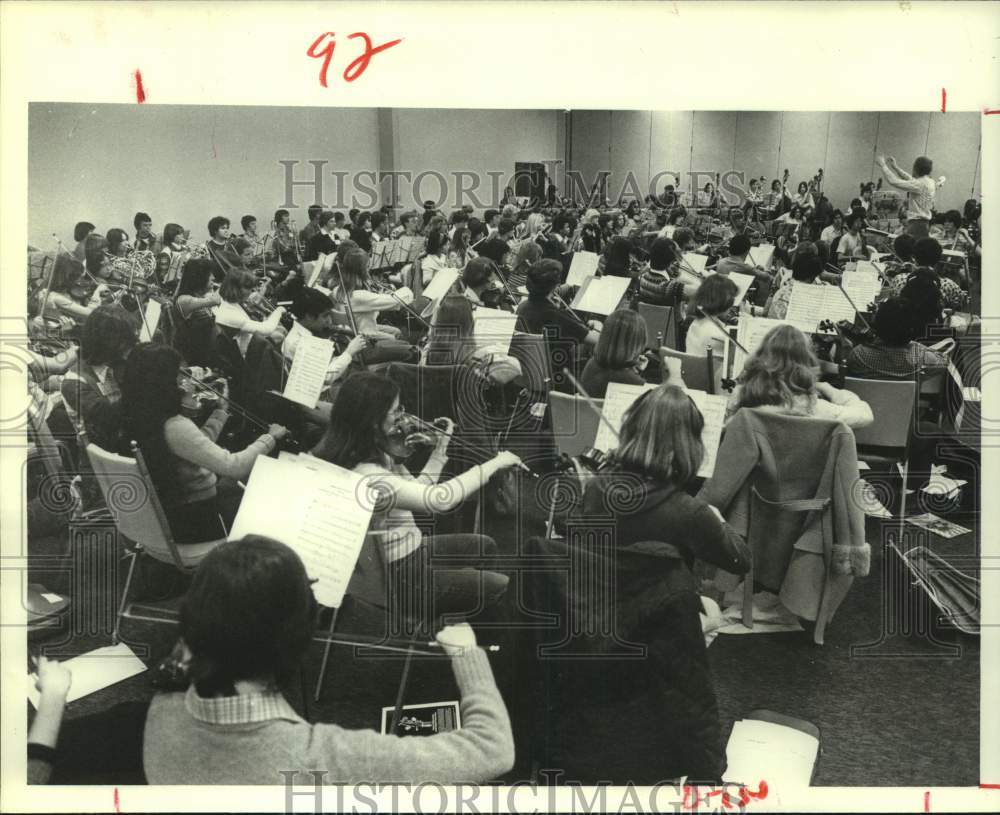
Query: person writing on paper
x=184 y=462
x=567 y=334
x=246 y=624
x=660 y=284
x=618 y=356
x=452 y=342
x=806 y=270
x=713 y=303
x=781 y=376
x=920 y=190
x=238 y=287
x=363 y=436
x=314 y=316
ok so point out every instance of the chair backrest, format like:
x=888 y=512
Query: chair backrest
x=699 y=372
x=892 y=403
x=661 y=325
x=134 y=503
x=531 y=351
x=574 y=422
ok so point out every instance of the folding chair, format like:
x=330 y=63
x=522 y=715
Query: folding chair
x=661 y=325
x=574 y=422
x=698 y=372
x=886 y=441
x=139 y=518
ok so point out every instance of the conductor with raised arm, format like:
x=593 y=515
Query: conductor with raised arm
x=920 y=189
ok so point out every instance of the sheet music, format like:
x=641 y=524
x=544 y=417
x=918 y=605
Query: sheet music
x=862 y=287
x=750 y=332
x=869 y=267
x=762 y=255
x=378 y=254
x=617 y=400
x=713 y=411
x=150 y=320
x=443 y=280
x=783 y=756
x=743 y=283
x=95 y=671
x=810 y=303
x=601 y=295
x=312 y=507
x=584 y=265
x=307 y=378
x=493 y=327
x=696 y=262
x=413 y=248
x=314 y=271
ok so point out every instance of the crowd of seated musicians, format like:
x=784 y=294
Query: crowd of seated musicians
x=248 y=614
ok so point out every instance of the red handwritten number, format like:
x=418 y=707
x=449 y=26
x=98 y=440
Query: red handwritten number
x=358 y=66
x=140 y=92
x=944 y=100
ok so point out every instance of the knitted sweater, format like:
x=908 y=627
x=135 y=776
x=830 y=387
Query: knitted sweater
x=183 y=749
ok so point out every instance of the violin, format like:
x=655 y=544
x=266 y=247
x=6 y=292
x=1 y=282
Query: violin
x=410 y=433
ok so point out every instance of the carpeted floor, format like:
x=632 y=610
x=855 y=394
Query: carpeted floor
x=903 y=711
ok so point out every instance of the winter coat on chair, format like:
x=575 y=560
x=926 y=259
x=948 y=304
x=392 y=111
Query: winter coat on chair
x=809 y=562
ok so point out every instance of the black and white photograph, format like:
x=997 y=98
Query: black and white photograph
x=602 y=455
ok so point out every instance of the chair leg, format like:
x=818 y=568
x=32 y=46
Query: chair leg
x=124 y=602
x=551 y=520
x=902 y=492
x=748 y=597
x=326 y=657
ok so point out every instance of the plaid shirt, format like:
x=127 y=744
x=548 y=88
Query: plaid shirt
x=952 y=295
x=244 y=708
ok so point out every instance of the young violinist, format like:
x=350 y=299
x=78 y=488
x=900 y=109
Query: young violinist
x=712 y=303
x=567 y=335
x=80 y=233
x=806 y=271
x=194 y=326
x=736 y=261
x=363 y=436
x=237 y=292
x=219 y=246
x=660 y=284
x=926 y=255
x=91 y=389
x=497 y=245
x=676 y=219
x=246 y=625
x=452 y=341
x=184 y=461
x=460 y=252
x=781 y=375
x=68 y=298
x=618 y=356
x=435 y=255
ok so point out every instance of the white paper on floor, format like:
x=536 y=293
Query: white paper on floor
x=868 y=498
x=712 y=619
x=769 y=615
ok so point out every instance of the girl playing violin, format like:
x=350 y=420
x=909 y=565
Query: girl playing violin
x=619 y=355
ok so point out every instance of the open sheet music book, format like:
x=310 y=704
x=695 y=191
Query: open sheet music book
x=150 y=320
x=584 y=265
x=750 y=331
x=758 y=751
x=601 y=295
x=743 y=283
x=809 y=304
x=307 y=378
x=318 y=509
x=619 y=399
x=762 y=255
x=696 y=262
x=316 y=268
x=863 y=286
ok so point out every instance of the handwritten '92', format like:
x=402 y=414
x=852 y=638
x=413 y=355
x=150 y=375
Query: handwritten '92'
x=323 y=47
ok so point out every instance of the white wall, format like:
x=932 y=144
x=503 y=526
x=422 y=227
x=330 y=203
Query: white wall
x=844 y=144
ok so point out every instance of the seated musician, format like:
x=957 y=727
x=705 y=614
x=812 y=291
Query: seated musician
x=309 y=230
x=527 y=254
x=435 y=255
x=251 y=236
x=145 y=239
x=852 y=243
x=618 y=356
x=218 y=247
x=660 y=284
x=804 y=198
x=460 y=252
x=174 y=254
x=831 y=232
x=67 y=302
x=754 y=196
x=497 y=245
x=91 y=389
x=360 y=437
x=283 y=248
x=237 y=288
x=80 y=233
x=591 y=235
x=902 y=255
x=736 y=261
x=781 y=375
x=366 y=305
x=183 y=459
x=677 y=218
x=331 y=278
x=952 y=235
x=806 y=270
x=539 y=314
x=194 y=324
x=361 y=234
x=616 y=258
x=322 y=242
x=775 y=199
x=452 y=342
x=313 y=312
x=893 y=353
x=712 y=304
x=926 y=255
x=247 y=624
